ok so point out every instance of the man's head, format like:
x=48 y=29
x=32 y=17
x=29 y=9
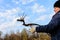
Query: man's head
x=57 y=6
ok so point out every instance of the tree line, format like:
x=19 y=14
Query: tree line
x=25 y=36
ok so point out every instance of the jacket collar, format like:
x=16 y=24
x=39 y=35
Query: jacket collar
x=57 y=12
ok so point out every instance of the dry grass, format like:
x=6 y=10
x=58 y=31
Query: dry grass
x=45 y=36
x=24 y=36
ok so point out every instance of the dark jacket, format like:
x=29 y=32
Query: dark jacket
x=53 y=27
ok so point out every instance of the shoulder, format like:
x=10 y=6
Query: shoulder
x=58 y=13
x=56 y=16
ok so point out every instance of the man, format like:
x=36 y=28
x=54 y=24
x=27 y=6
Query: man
x=53 y=27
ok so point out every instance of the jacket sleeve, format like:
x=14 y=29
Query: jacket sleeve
x=52 y=26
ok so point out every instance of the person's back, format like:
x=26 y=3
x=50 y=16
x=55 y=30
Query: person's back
x=56 y=33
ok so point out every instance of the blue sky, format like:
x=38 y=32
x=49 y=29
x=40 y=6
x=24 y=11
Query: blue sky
x=37 y=11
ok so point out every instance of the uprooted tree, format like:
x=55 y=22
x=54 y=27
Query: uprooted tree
x=42 y=36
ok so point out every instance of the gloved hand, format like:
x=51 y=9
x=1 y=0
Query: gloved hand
x=33 y=29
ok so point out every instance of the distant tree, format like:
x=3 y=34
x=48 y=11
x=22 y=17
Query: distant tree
x=24 y=35
x=44 y=36
x=6 y=37
x=1 y=35
x=18 y=35
x=14 y=37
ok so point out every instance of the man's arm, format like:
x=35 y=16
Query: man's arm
x=52 y=26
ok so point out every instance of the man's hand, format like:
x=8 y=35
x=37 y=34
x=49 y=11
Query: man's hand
x=32 y=29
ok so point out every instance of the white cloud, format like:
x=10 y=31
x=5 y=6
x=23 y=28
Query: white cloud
x=10 y=16
x=1 y=1
x=41 y=18
x=10 y=25
x=44 y=17
x=16 y=1
x=27 y=1
x=23 y=1
x=27 y=19
x=50 y=15
x=36 y=8
x=7 y=24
